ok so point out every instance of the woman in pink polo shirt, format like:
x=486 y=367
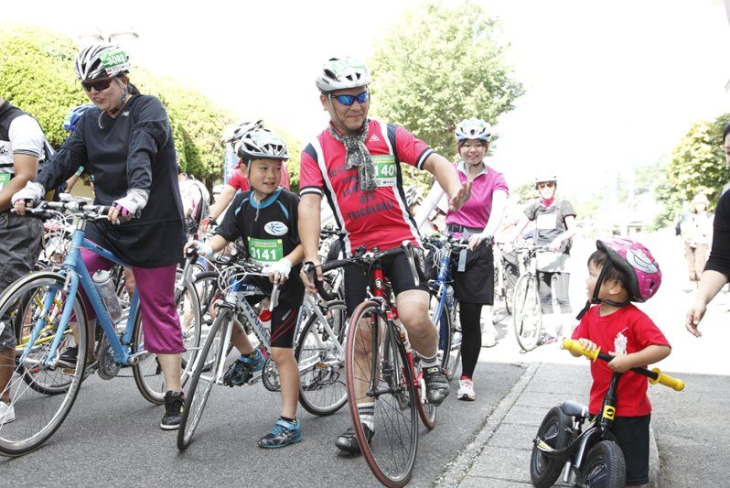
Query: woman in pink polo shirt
x=478 y=219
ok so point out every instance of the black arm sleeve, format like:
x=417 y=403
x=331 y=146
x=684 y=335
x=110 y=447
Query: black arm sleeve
x=150 y=133
x=720 y=255
x=65 y=162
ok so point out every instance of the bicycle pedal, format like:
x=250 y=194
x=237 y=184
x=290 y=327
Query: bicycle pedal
x=254 y=379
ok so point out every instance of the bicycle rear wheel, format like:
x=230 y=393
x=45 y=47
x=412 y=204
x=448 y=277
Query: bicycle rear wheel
x=203 y=378
x=322 y=389
x=527 y=317
x=378 y=374
x=148 y=372
x=41 y=395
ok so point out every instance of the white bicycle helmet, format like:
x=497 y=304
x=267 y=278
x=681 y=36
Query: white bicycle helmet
x=238 y=131
x=341 y=74
x=101 y=61
x=473 y=128
x=546 y=176
x=262 y=143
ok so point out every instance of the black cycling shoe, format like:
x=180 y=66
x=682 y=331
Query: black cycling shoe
x=68 y=358
x=347 y=442
x=174 y=401
x=437 y=386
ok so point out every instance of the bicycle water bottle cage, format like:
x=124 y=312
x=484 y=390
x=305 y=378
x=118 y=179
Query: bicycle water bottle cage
x=573 y=409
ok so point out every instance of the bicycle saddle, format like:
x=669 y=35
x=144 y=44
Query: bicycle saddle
x=573 y=409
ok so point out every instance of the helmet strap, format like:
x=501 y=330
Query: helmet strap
x=594 y=299
x=122 y=100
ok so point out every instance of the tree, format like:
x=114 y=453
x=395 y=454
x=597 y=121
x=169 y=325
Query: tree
x=697 y=166
x=441 y=65
x=37 y=75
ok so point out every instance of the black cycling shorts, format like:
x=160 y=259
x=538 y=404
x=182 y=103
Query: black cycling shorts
x=395 y=268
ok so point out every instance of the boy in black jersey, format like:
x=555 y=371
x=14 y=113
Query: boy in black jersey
x=265 y=219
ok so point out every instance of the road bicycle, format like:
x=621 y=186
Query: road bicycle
x=506 y=273
x=442 y=306
x=46 y=312
x=319 y=348
x=527 y=313
x=588 y=453
x=382 y=368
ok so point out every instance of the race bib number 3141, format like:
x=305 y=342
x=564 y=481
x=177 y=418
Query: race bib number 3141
x=266 y=250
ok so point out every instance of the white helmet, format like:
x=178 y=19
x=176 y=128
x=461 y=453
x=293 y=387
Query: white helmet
x=473 y=128
x=341 y=74
x=545 y=176
x=101 y=61
x=238 y=131
x=262 y=143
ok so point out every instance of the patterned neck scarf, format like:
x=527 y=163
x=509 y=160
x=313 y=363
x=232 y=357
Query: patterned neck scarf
x=357 y=155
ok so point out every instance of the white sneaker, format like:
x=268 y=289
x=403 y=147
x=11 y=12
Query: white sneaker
x=7 y=413
x=466 y=390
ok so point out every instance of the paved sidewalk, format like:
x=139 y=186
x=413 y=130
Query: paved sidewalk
x=499 y=456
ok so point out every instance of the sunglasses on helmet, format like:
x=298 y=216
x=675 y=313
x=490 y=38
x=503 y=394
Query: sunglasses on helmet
x=98 y=85
x=348 y=100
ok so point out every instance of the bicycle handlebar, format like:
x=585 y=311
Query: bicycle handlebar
x=78 y=207
x=308 y=269
x=655 y=375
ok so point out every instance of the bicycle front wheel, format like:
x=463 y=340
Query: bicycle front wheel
x=527 y=317
x=382 y=396
x=203 y=377
x=449 y=337
x=41 y=395
x=148 y=372
x=321 y=358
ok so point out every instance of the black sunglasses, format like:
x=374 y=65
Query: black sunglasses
x=98 y=85
x=348 y=100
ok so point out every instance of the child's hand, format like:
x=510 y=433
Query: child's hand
x=621 y=363
x=588 y=345
x=278 y=272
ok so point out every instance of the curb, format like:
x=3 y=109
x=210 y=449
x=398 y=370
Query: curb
x=459 y=468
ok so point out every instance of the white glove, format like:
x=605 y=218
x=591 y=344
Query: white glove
x=65 y=197
x=135 y=201
x=32 y=191
x=282 y=267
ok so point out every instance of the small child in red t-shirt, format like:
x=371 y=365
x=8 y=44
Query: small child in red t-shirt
x=623 y=271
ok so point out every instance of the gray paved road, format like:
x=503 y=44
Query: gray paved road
x=111 y=438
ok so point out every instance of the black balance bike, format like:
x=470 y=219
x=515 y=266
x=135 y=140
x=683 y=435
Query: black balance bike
x=591 y=454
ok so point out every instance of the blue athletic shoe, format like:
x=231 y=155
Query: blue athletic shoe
x=243 y=369
x=283 y=434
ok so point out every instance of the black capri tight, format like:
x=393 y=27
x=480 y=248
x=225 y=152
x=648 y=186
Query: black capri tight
x=471 y=336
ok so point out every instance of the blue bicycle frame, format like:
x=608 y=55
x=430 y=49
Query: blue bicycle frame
x=440 y=284
x=75 y=270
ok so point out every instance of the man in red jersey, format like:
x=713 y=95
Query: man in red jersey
x=356 y=164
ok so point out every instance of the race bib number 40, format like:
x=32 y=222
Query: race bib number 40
x=385 y=170
x=266 y=250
